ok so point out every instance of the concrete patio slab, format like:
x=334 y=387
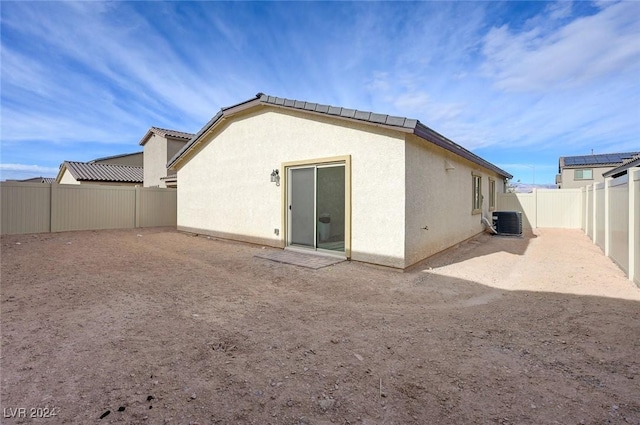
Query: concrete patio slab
x=300 y=259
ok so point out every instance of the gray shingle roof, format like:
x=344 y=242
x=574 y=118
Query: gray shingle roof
x=88 y=171
x=401 y=123
x=163 y=132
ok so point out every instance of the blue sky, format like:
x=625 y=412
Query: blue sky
x=518 y=83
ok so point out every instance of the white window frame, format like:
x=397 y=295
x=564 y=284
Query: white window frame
x=581 y=171
x=476 y=193
x=492 y=194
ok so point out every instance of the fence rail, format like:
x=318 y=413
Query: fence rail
x=40 y=207
x=608 y=213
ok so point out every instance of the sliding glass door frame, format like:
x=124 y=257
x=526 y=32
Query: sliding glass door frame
x=290 y=167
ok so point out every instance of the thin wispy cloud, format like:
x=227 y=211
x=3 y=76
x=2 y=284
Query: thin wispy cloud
x=565 y=57
x=28 y=170
x=520 y=83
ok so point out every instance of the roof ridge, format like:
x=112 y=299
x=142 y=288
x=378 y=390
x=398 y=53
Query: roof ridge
x=339 y=111
x=169 y=129
x=164 y=132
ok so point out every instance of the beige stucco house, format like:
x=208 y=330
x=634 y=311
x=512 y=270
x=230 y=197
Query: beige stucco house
x=148 y=168
x=160 y=145
x=583 y=170
x=298 y=175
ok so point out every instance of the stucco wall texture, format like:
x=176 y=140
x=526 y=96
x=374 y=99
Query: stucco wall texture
x=158 y=151
x=439 y=188
x=67 y=178
x=396 y=187
x=155 y=162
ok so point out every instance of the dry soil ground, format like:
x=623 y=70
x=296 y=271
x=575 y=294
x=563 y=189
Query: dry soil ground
x=155 y=326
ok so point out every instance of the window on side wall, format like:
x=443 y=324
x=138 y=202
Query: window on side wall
x=492 y=194
x=583 y=174
x=477 y=194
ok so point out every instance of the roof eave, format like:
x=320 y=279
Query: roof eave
x=404 y=125
x=63 y=167
x=622 y=170
x=191 y=144
x=146 y=137
x=438 y=139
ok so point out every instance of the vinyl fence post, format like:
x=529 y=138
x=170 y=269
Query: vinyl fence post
x=54 y=226
x=137 y=206
x=535 y=208
x=607 y=226
x=585 y=202
x=634 y=240
x=594 y=229
x=50 y=205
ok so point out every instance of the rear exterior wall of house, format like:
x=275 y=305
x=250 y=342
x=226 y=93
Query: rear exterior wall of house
x=439 y=193
x=400 y=184
x=225 y=189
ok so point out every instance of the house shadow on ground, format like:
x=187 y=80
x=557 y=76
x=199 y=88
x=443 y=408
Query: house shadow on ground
x=481 y=245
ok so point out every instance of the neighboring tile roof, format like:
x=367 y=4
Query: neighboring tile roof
x=163 y=132
x=115 y=156
x=38 y=180
x=88 y=171
x=600 y=160
x=403 y=124
x=622 y=169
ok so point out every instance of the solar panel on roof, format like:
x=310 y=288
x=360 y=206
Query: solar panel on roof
x=603 y=158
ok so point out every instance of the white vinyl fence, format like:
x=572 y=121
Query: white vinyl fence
x=41 y=207
x=545 y=207
x=609 y=213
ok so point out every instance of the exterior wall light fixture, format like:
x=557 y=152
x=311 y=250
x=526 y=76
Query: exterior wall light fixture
x=275 y=177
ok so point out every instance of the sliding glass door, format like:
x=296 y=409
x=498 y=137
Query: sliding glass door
x=302 y=207
x=316 y=207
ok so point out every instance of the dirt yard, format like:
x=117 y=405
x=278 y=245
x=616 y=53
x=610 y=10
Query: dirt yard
x=160 y=327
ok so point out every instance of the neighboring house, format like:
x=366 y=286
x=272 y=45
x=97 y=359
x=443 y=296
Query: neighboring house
x=72 y=172
x=370 y=187
x=160 y=145
x=583 y=170
x=131 y=159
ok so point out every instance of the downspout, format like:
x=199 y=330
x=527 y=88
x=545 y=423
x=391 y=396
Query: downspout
x=489 y=225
